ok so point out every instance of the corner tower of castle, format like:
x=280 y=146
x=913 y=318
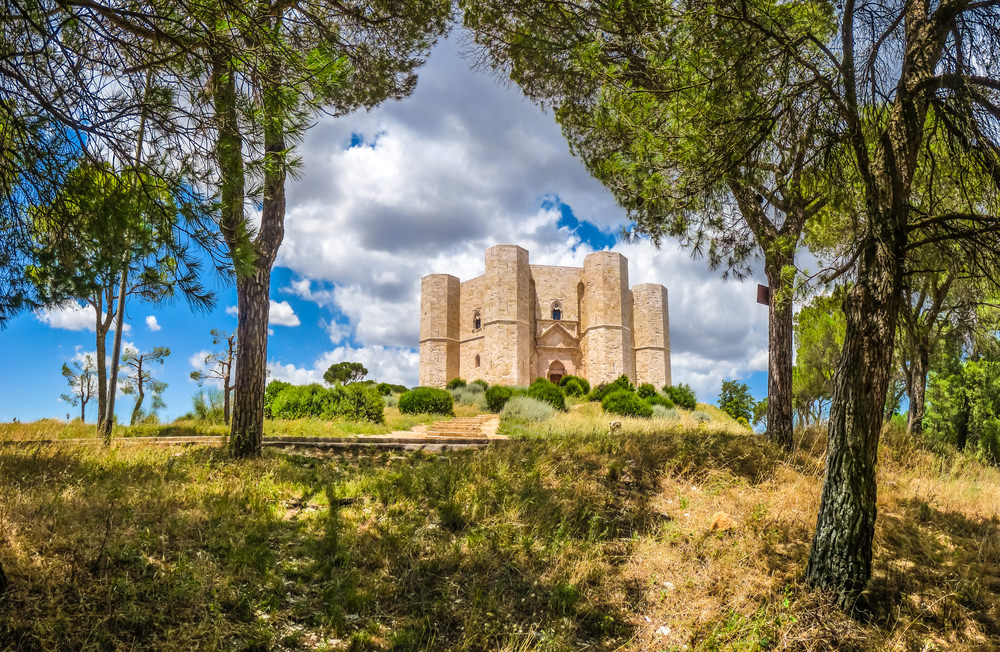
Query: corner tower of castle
x=519 y=321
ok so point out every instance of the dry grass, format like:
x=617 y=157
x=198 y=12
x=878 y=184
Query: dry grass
x=53 y=429
x=658 y=538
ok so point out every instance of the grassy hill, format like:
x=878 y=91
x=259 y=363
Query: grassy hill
x=661 y=537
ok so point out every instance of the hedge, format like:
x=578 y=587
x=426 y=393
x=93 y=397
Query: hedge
x=626 y=404
x=427 y=400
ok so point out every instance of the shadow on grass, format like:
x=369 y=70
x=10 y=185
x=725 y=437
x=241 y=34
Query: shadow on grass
x=513 y=547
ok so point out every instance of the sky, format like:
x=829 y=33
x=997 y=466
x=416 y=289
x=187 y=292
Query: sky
x=417 y=186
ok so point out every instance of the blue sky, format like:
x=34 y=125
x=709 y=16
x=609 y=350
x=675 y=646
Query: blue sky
x=417 y=186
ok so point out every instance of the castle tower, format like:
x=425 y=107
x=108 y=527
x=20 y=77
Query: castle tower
x=606 y=318
x=651 y=332
x=509 y=307
x=439 y=329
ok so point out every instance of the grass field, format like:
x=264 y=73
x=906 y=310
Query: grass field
x=47 y=429
x=661 y=537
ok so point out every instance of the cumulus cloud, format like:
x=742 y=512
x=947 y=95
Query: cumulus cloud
x=152 y=324
x=385 y=364
x=427 y=184
x=73 y=316
x=281 y=314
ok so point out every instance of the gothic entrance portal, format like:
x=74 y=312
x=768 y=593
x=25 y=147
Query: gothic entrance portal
x=556 y=371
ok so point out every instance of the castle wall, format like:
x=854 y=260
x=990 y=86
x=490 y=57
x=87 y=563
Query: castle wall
x=472 y=341
x=607 y=318
x=651 y=332
x=509 y=340
x=439 y=329
x=605 y=329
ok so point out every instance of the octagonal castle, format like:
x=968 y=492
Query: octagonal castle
x=519 y=321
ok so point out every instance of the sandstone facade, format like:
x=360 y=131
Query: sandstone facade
x=519 y=321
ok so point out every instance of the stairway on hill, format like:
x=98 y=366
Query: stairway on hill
x=484 y=425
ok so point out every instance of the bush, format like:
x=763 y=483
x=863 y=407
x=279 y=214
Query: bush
x=602 y=390
x=626 y=404
x=574 y=388
x=355 y=402
x=646 y=390
x=743 y=422
x=475 y=388
x=660 y=412
x=455 y=383
x=682 y=395
x=387 y=388
x=701 y=416
x=548 y=391
x=661 y=400
x=526 y=409
x=427 y=400
x=272 y=390
x=362 y=403
x=392 y=400
x=497 y=396
x=466 y=396
x=479 y=382
x=584 y=383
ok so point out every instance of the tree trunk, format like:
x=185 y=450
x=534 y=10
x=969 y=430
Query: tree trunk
x=101 y=332
x=253 y=300
x=779 y=355
x=83 y=412
x=137 y=410
x=918 y=391
x=962 y=427
x=226 y=389
x=841 y=556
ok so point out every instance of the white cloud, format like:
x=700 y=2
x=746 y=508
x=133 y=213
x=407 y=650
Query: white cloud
x=152 y=323
x=281 y=314
x=384 y=364
x=73 y=316
x=461 y=165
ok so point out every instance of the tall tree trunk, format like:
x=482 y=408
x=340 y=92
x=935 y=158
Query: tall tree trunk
x=226 y=389
x=253 y=291
x=83 y=412
x=779 y=355
x=253 y=300
x=137 y=410
x=918 y=391
x=104 y=317
x=841 y=556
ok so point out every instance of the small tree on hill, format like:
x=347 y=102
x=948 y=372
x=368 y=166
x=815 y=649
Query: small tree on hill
x=139 y=379
x=219 y=366
x=736 y=401
x=82 y=384
x=345 y=372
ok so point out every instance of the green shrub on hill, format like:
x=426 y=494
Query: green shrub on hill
x=682 y=395
x=455 y=383
x=479 y=382
x=627 y=404
x=602 y=390
x=525 y=409
x=497 y=396
x=646 y=390
x=583 y=382
x=660 y=412
x=427 y=400
x=354 y=402
x=387 y=388
x=574 y=388
x=270 y=392
x=548 y=391
x=661 y=400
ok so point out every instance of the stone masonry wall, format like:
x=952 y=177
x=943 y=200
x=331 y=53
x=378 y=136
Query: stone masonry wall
x=439 y=329
x=609 y=329
x=651 y=332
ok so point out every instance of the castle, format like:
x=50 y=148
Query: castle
x=519 y=321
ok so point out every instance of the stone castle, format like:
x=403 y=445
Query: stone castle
x=518 y=322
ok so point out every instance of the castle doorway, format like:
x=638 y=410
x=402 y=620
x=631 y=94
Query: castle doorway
x=556 y=371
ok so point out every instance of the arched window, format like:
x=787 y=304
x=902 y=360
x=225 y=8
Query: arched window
x=477 y=321
x=477 y=361
x=556 y=311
